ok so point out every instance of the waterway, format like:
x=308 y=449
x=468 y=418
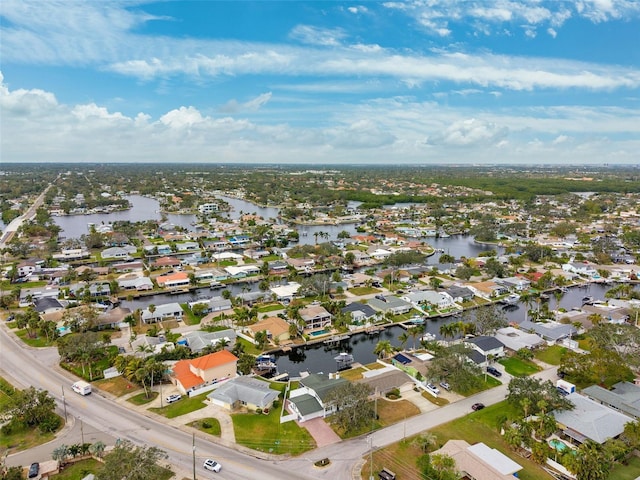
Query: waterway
x=316 y=358
x=320 y=357
x=142 y=208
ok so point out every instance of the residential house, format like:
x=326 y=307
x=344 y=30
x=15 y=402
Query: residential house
x=173 y=280
x=133 y=266
x=135 y=282
x=244 y=392
x=187 y=246
x=302 y=264
x=145 y=345
x=516 y=339
x=312 y=398
x=72 y=254
x=166 y=262
x=167 y=311
x=277 y=329
x=361 y=313
x=26 y=268
x=489 y=347
x=390 y=304
x=479 y=462
x=155 y=249
x=315 y=317
x=242 y=271
x=285 y=293
x=623 y=397
x=118 y=252
x=580 y=268
x=360 y=258
x=215 y=304
x=441 y=300
x=29 y=295
x=278 y=267
x=383 y=380
x=379 y=254
x=208 y=208
x=112 y=318
x=197 y=340
x=460 y=294
x=47 y=305
x=487 y=290
x=551 y=332
x=519 y=284
x=195 y=375
x=590 y=420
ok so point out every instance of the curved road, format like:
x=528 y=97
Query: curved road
x=103 y=419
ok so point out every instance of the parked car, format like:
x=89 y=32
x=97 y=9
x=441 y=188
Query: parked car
x=477 y=406
x=445 y=385
x=34 y=470
x=173 y=398
x=494 y=371
x=212 y=465
x=432 y=388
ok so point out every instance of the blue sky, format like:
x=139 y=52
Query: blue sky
x=416 y=82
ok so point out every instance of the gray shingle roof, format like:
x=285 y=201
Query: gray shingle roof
x=245 y=389
x=623 y=396
x=591 y=419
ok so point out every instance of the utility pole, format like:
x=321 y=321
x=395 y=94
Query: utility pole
x=194 y=455
x=64 y=404
x=81 y=432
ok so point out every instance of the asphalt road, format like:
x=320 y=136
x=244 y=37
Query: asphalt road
x=96 y=417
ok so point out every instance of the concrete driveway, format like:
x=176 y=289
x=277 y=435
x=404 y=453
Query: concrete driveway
x=321 y=432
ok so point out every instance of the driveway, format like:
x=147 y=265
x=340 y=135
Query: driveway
x=321 y=432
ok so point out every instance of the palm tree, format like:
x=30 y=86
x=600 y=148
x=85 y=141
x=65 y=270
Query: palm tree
x=425 y=441
x=403 y=338
x=383 y=349
x=415 y=332
x=448 y=330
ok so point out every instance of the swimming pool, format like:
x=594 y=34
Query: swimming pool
x=317 y=333
x=558 y=445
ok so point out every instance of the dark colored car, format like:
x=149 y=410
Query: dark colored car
x=34 y=470
x=494 y=371
x=477 y=406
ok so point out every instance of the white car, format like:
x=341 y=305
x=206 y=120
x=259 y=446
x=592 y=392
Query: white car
x=173 y=398
x=212 y=465
x=432 y=388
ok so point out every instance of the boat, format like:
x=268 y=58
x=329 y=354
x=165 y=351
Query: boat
x=587 y=300
x=344 y=360
x=428 y=337
x=510 y=299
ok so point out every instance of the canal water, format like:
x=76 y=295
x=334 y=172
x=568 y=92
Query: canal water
x=319 y=357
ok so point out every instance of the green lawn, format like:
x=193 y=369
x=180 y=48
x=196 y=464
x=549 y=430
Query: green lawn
x=551 y=355
x=518 y=367
x=208 y=425
x=363 y=290
x=270 y=308
x=626 y=472
x=38 y=341
x=183 y=406
x=81 y=469
x=6 y=392
x=78 y=470
x=483 y=426
x=142 y=399
x=266 y=434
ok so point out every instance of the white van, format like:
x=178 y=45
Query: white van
x=83 y=388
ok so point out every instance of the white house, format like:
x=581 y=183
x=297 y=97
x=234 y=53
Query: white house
x=163 y=312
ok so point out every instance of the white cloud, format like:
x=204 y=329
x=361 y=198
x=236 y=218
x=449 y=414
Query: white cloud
x=182 y=117
x=384 y=130
x=469 y=133
x=232 y=106
x=436 y=14
x=318 y=36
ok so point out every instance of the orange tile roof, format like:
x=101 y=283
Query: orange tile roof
x=183 y=372
x=172 y=276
